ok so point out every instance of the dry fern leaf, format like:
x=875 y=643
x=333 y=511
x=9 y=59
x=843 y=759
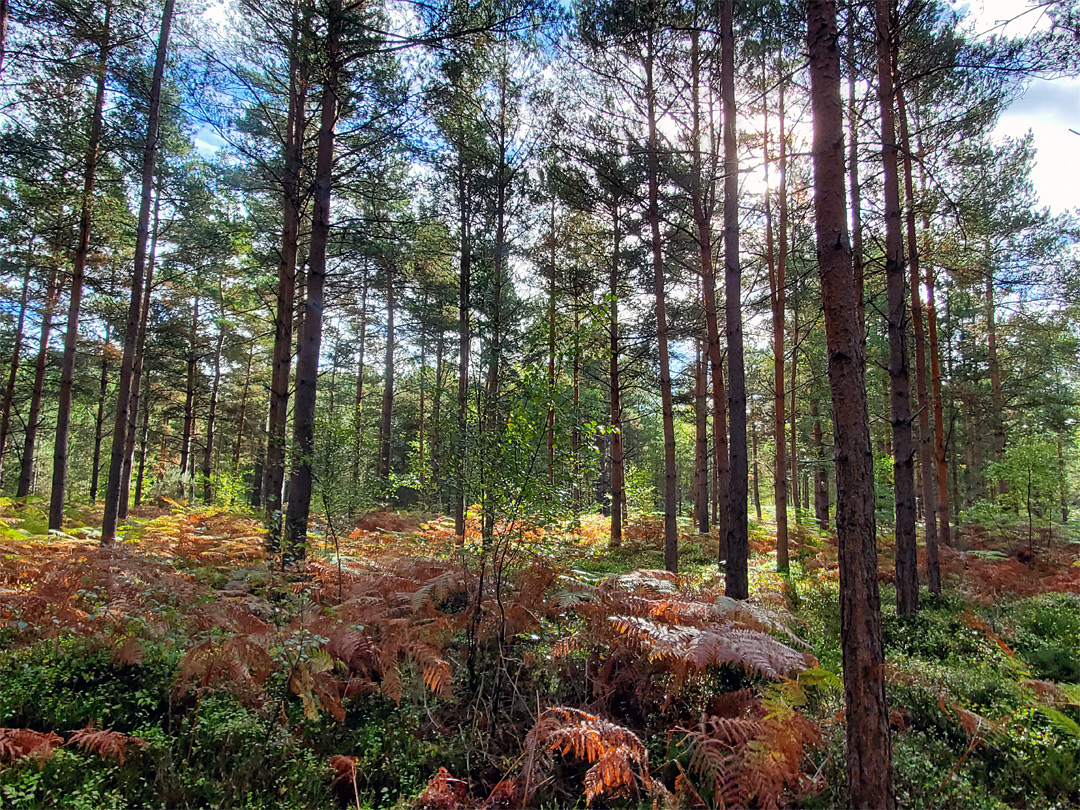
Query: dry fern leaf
x=344 y=769
x=443 y=792
x=105 y=743
x=19 y=743
x=680 y=646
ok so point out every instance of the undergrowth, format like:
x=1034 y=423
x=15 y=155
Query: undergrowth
x=184 y=669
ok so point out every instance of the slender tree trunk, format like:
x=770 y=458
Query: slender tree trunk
x=33 y=417
x=387 y=411
x=358 y=412
x=137 y=369
x=854 y=116
x=575 y=431
x=941 y=464
x=793 y=455
x=1063 y=482
x=821 y=474
x=145 y=434
x=211 y=419
x=869 y=754
x=16 y=351
x=99 y=419
x=926 y=438
x=134 y=320
x=422 y=376
x=242 y=416
x=464 y=282
x=78 y=273
x=702 y=194
x=292 y=194
x=551 y=354
x=671 y=535
x=189 y=396
x=307 y=360
x=736 y=583
x=618 y=474
x=757 y=469
x=907 y=574
x=777 y=297
x=996 y=397
x=701 y=446
x=4 y=13
x=436 y=419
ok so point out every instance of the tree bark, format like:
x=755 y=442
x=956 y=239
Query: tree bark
x=941 y=464
x=777 y=298
x=242 y=416
x=137 y=369
x=189 y=395
x=618 y=474
x=551 y=352
x=78 y=273
x=736 y=581
x=996 y=397
x=386 y=414
x=464 y=282
x=701 y=447
x=145 y=436
x=99 y=419
x=307 y=360
x=821 y=474
x=926 y=447
x=16 y=352
x=134 y=320
x=33 y=416
x=211 y=418
x=671 y=535
x=907 y=574
x=869 y=754
x=854 y=115
x=358 y=412
x=292 y=194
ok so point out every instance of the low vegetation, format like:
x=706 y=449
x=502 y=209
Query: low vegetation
x=183 y=668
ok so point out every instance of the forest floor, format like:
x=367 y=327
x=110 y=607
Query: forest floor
x=183 y=668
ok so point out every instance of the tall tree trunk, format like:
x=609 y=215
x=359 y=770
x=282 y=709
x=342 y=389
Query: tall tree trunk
x=464 y=283
x=757 y=469
x=793 y=455
x=189 y=395
x=134 y=320
x=358 y=412
x=421 y=431
x=78 y=273
x=436 y=419
x=736 y=581
x=99 y=419
x=145 y=436
x=211 y=418
x=4 y=13
x=307 y=360
x=869 y=754
x=926 y=447
x=941 y=464
x=16 y=351
x=907 y=573
x=551 y=353
x=671 y=535
x=242 y=417
x=575 y=431
x=292 y=195
x=137 y=369
x=777 y=298
x=387 y=411
x=33 y=416
x=854 y=116
x=703 y=197
x=618 y=474
x=996 y=397
x=701 y=447
x=821 y=474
